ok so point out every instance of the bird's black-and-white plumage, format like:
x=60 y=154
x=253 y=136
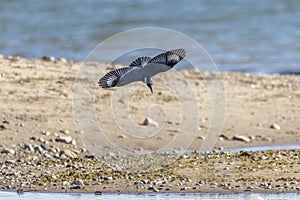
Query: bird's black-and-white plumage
x=142 y=69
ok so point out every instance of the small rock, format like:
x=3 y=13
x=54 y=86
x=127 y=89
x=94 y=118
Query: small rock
x=45 y=147
x=38 y=149
x=20 y=191
x=286 y=184
x=107 y=178
x=251 y=137
x=14 y=58
x=46 y=133
x=241 y=138
x=65 y=183
x=42 y=140
x=154 y=189
x=2 y=127
x=138 y=183
x=275 y=126
x=8 y=151
x=185 y=188
x=249 y=189
x=48 y=58
x=90 y=156
x=148 y=121
x=63 y=60
x=10 y=161
x=98 y=192
x=73 y=142
x=122 y=136
x=66 y=132
x=64 y=139
x=263 y=157
x=200 y=137
x=77 y=182
x=29 y=147
x=67 y=153
x=75 y=187
x=184 y=156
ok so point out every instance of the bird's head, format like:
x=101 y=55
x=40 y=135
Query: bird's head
x=148 y=82
x=150 y=86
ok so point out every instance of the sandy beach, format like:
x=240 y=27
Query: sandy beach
x=41 y=149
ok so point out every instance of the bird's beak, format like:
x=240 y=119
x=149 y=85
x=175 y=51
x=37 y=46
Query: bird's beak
x=150 y=86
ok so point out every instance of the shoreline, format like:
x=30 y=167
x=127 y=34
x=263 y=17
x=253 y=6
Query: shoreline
x=40 y=140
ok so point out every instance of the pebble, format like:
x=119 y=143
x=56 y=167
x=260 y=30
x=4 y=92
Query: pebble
x=20 y=191
x=46 y=133
x=249 y=189
x=200 y=137
x=2 y=127
x=241 y=138
x=29 y=147
x=185 y=188
x=77 y=182
x=46 y=147
x=8 y=151
x=263 y=157
x=65 y=184
x=67 y=154
x=63 y=60
x=148 y=121
x=64 y=139
x=10 y=161
x=107 y=178
x=42 y=140
x=48 y=58
x=213 y=185
x=275 y=126
x=154 y=189
x=184 y=156
x=138 y=183
x=98 y=192
x=66 y=132
x=122 y=136
x=38 y=148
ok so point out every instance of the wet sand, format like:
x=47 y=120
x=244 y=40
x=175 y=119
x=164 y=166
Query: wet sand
x=41 y=150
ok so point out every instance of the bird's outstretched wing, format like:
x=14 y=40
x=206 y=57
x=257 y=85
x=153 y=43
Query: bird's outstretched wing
x=111 y=78
x=165 y=61
x=140 y=61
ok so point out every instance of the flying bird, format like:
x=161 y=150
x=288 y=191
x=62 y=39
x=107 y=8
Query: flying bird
x=142 y=69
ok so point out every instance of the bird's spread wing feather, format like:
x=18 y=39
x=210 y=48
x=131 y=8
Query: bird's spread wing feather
x=142 y=67
x=111 y=78
x=140 y=62
x=165 y=61
x=169 y=58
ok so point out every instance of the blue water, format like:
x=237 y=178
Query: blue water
x=253 y=36
x=202 y=196
x=265 y=148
